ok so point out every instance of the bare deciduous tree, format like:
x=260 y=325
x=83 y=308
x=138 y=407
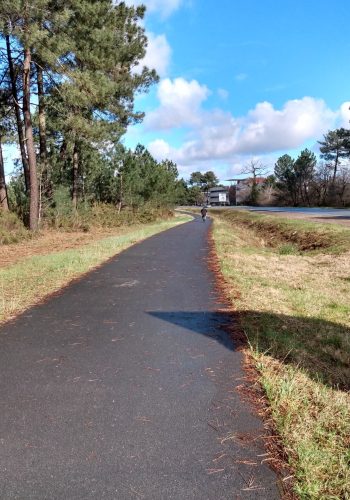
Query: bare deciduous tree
x=255 y=169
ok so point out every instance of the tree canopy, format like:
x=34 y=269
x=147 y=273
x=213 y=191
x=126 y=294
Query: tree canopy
x=304 y=181
x=70 y=71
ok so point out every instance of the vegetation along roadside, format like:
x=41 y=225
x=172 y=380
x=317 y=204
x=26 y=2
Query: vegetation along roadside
x=289 y=284
x=32 y=278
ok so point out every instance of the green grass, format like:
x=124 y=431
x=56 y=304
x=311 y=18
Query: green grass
x=313 y=421
x=292 y=299
x=29 y=281
x=288 y=249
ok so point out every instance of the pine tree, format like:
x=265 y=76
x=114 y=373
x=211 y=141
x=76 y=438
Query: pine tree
x=6 y=126
x=304 y=168
x=4 y=111
x=79 y=58
x=22 y=18
x=334 y=147
x=96 y=101
x=16 y=106
x=286 y=177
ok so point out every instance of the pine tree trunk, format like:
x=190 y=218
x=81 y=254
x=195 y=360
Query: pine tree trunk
x=42 y=122
x=19 y=121
x=75 y=176
x=3 y=191
x=307 y=197
x=34 y=192
x=63 y=158
x=121 y=193
x=335 y=167
x=63 y=151
x=45 y=188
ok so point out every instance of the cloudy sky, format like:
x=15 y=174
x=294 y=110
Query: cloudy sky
x=242 y=79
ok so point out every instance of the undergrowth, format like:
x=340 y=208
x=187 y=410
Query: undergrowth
x=85 y=219
x=103 y=216
x=12 y=229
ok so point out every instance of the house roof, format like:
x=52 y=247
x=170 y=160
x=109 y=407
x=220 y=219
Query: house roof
x=217 y=189
x=249 y=180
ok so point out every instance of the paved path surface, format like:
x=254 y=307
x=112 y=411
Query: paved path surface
x=123 y=386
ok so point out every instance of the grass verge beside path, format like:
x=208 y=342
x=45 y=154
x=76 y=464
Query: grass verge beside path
x=33 y=278
x=289 y=283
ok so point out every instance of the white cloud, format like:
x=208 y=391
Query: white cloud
x=180 y=102
x=218 y=135
x=160 y=149
x=241 y=77
x=345 y=114
x=223 y=94
x=164 y=7
x=267 y=129
x=158 y=54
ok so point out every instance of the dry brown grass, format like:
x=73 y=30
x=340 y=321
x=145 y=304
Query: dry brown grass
x=295 y=310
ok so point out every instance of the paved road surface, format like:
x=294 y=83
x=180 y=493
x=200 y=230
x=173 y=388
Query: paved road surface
x=315 y=214
x=123 y=386
x=312 y=211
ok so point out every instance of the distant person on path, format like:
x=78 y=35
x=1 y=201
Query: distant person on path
x=204 y=213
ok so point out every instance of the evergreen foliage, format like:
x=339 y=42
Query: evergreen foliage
x=306 y=182
x=69 y=79
x=335 y=147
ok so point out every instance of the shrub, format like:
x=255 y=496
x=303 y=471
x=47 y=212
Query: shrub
x=100 y=215
x=12 y=229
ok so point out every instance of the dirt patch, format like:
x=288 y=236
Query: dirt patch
x=304 y=240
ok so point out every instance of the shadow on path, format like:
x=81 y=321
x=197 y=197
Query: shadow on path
x=208 y=323
x=320 y=347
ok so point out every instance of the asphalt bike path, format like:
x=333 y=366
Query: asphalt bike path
x=124 y=385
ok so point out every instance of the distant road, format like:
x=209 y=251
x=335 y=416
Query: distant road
x=333 y=212
x=333 y=215
x=323 y=212
x=328 y=215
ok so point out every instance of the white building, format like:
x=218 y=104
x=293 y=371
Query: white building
x=219 y=196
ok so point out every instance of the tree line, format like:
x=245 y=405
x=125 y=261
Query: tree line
x=195 y=191
x=306 y=181
x=69 y=74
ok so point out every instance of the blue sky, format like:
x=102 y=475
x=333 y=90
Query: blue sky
x=243 y=79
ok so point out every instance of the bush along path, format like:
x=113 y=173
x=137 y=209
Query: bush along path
x=126 y=385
